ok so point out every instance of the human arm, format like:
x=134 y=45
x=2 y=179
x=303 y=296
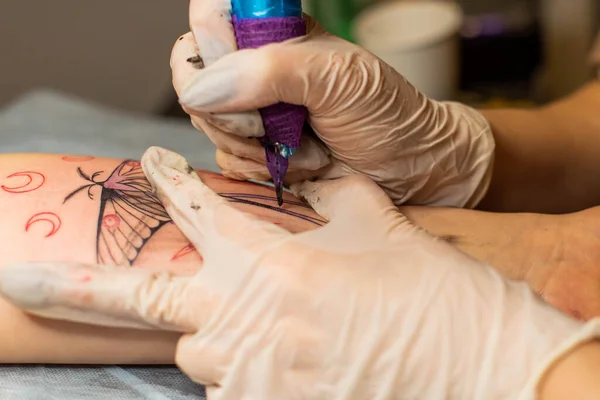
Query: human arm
x=387 y=311
x=557 y=255
x=547 y=158
x=575 y=376
x=39 y=225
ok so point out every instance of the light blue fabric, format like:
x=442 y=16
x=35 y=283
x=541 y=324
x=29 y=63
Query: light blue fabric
x=50 y=122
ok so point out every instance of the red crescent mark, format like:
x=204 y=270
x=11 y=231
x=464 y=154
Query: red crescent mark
x=49 y=217
x=77 y=158
x=111 y=221
x=35 y=181
x=188 y=249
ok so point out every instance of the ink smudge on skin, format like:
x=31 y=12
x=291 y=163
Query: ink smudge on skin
x=452 y=239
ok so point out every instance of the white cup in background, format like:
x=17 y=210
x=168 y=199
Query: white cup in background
x=417 y=38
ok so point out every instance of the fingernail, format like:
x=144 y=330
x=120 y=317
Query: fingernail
x=209 y=88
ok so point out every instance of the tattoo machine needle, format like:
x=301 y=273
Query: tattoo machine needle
x=257 y=23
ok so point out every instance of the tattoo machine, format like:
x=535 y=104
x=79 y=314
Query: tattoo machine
x=257 y=23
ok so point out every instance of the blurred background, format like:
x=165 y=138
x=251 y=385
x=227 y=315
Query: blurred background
x=116 y=53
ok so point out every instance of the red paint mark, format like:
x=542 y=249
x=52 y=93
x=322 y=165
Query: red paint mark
x=576 y=314
x=188 y=249
x=35 y=180
x=48 y=217
x=111 y=221
x=77 y=158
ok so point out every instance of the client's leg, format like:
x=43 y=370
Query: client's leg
x=61 y=208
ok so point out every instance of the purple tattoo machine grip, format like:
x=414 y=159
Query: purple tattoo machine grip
x=257 y=23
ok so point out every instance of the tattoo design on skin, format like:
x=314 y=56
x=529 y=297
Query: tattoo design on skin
x=242 y=198
x=129 y=212
x=35 y=180
x=184 y=251
x=48 y=217
x=77 y=158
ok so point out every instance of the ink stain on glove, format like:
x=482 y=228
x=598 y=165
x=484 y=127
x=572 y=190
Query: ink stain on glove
x=196 y=61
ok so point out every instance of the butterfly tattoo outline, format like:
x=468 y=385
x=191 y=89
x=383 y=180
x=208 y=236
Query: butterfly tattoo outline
x=130 y=213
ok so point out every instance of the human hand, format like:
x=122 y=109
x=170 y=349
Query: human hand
x=557 y=255
x=368 y=306
x=368 y=119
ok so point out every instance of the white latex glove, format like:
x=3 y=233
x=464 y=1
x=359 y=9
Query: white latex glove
x=367 y=307
x=368 y=117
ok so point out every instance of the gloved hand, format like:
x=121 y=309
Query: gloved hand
x=366 y=307
x=367 y=117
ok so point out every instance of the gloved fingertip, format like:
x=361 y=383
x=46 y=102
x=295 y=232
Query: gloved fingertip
x=240 y=169
x=25 y=285
x=235 y=176
x=244 y=124
x=305 y=190
x=209 y=88
x=295 y=189
x=184 y=47
x=310 y=157
x=160 y=159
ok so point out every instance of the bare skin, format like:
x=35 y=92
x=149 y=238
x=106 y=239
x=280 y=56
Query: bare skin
x=557 y=255
x=38 y=225
x=546 y=158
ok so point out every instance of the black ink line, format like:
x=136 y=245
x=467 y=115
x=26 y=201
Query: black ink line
x=266 y=198
x=138 y=198
x=313 y=220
